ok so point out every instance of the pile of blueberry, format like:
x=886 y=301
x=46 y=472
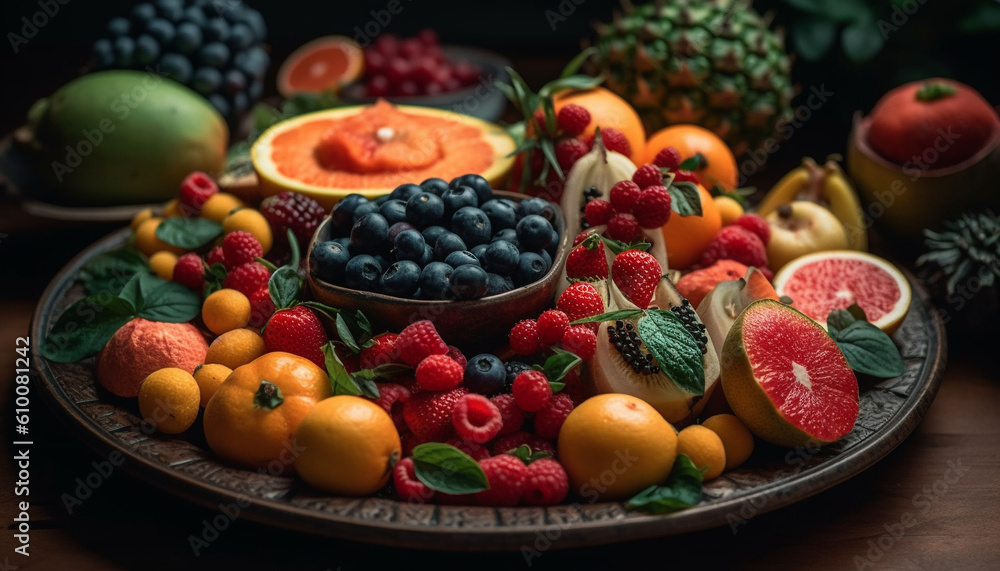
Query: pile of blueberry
x=438 y=240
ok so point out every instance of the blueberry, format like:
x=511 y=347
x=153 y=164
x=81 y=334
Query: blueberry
x=472 y=225
x=534 y=232
x=234 y=81
x=501 y=214
x=215 y=54
x=217 y=30
x=461 y=258
x=195 y=15
x=363 y=209
x=400 y=279
x=435 y=186
x=362 y=273
x=447 y=243
x=513 y=369
x=382 y=261
x=546 y=258
x=188 y=38
x=329 y=261
x=240 y=36
x=469 y=282
x=508 y=202
x=498 y=284
x=143 y=12
x=176 y=67
x=485 y=374
x=124 y=51
x=424 y=209
x=393 y=211
x=220 y=103
x=170 y=9
x=536 y=205
x=431 y=233
x=344 y=241
x=456 y=198
x=477 y=183
x=370 y=233
x=553 y=245
x=118 y=27
x=103 y=53
x=253 y=19
x=408 y=245
x=435 y=280
x=207 y=80
x=428 y=256
x=253 y=62
x=506 y=235
x=147 y=49
x=162 y=30
x=502 y=258
x=398 y=228
x=342 y=216
x=405 y=191
x=530 y=268
x=479 y=251
x=381 y=200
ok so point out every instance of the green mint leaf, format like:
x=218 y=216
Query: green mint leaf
x=214 y=277
x=525 y=454
x=166 y=301
x=284 y=285
x=364 y=326
x=293 y=243
x=681 y=490
x=108 y=272
x=609 y=316
x=685 y=198
x=340 y=381
x=558 y=366
x=870 y=351
x=345 y=334
x=675 y=350
x=693 y=163
x=838 y=320
x=617 y=246
x=188 y=233
x=447 y=469
x=557 y=386
x=365 y=381
x=85 y=327
x=131 y=292
x=392 y=371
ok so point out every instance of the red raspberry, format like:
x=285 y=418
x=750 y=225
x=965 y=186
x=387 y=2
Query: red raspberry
x=247 y=278
x=456 y=354
x=647 y=176
x=531 y=390
x=653 y=209
x=735 y=243
x=756 y=224
x=409 y=441
x=623 y=227
x=476 y=419
x=668 y=158
x=581 y=341
x=615 y=140
x=382 y=352
x=598 y=212
x=624 y=195
x=261 y=307
x=546 y=484
x=573 y=119
x=392 y=397
x=511 y=416
x=240 y=247
x=551 y=326
x=550 y=419
x=686 y=176
x=524 y=337
x=581 y=300
x=418 y=340
x=568 y=151
x=506 y=475
x=195 y=190
x=428 y=414
x=439 y=373
x=409 y=488
x=511 y=442
x=574 y=388
x=189 y=271
x=476 y=451
x=215 y=256
x=292 y=210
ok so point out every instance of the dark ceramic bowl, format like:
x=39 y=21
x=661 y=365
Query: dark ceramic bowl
x=475 y=325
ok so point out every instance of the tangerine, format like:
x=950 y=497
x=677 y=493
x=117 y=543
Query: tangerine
x=687 y=237
x=607 y=110
x=704 y=448
x=225 y=310
x=235 y=348
x=719 y=165
x=169 y=398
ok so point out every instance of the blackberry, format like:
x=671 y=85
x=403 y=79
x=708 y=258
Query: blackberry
x=513 y=369
x=590 y=194
x=689 y=318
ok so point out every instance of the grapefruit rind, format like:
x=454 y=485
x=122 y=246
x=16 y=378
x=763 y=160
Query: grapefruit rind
x=351 y=49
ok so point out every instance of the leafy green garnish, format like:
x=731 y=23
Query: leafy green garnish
x=868 y=349
x=447 y=469
x=674 y=348
x=188 y=233
x=681 y=490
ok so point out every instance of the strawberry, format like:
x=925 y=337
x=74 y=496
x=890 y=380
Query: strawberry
x=636 y=273
x=382 y=352
x=296 y=330
x=418 y=340
x=587 y=260
x=580 y=300
x=428 y=414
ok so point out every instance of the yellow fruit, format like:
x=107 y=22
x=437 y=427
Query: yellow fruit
x=704 y=448
x=225 y=310
x=348 y=445
x=252 y=221
x=235 y=348
x=219 y=205
x=169 y=399
x=736 y=438
x=163 y=263
x=172 y=209
x=146 y=240
x=615 y=445
x=140 y=217
x=729 y=209
x=210 y=376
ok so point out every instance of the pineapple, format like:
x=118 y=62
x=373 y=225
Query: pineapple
x=967 y=253
x=709 y=62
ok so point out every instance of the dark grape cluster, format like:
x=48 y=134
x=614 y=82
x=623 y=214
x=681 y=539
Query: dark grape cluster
x=212 y=46
x=689 y=318
x=414 y=66
x=623 y=337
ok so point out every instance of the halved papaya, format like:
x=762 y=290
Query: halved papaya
x=372 y=149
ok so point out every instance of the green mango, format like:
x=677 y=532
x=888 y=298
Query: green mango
x=122 y=137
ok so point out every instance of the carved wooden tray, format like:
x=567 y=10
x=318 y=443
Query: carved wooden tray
x=772 y=478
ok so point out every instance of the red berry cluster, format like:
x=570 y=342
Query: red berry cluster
x=642 y=202
x=670 y=158
x=530 y=336
x=744 y=241
x=413 y=66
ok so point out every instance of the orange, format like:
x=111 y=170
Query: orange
x=736 y=438
x=162 y=263
x=235 y=348
x=225 y=310
x=704 y=448
x=615 y=445
x=219 y=205
x=322 y=64
x=720 y=164
x=168 y=398
x=687 y=237
x=210 y=377
x=252 y=221
x=140 y=217
x=347 y=445
x=146 y=240
x=607 y=110
x=254 y=414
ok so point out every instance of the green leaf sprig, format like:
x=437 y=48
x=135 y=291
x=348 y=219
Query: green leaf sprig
x=868 y=349
x=681 y=490
x=447 y=469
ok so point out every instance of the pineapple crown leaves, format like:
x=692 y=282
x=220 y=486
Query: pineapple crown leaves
x=970 y=246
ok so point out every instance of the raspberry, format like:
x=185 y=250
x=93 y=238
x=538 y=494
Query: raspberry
x=598 y=212
x=653 y=209
x=624 y=195
x=568 y=151
x=574 y=388
x=614 y=140
x=409 y=488
x=531 y=390
x=476 y=419
x=546 y=483
x=240 y=247
x=439 y=373
x=195 y=190
x=189 y=270
x=428 y=414
x=506 y=475
x=581 y=300
x=647 y=176
x=247 y=278
x=668 y=158
x=511 y=416
x=392 y=397
x=456 y=354
x=623 y=227
x=511 y=442
x=418 y=340
x=550 y=418
x=524 y=337
x=685 y=176
x=581 y=341
x=261 y=307
x=573 y=119
x=476 y=451
x=215 y=256
x=551 y=326
x=408 y=442
x=735 y=243
x=292 y=210
x=756 y=224
x=382 y=352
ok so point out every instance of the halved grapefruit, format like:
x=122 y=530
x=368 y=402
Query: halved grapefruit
x=324 y=63
x=786 y=379
x=824 y=281
x=371 y=149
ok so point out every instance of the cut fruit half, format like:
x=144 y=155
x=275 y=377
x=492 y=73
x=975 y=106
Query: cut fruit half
x=822 y=282
x=322 y=64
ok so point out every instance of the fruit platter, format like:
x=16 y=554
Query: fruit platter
x=391 y=321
